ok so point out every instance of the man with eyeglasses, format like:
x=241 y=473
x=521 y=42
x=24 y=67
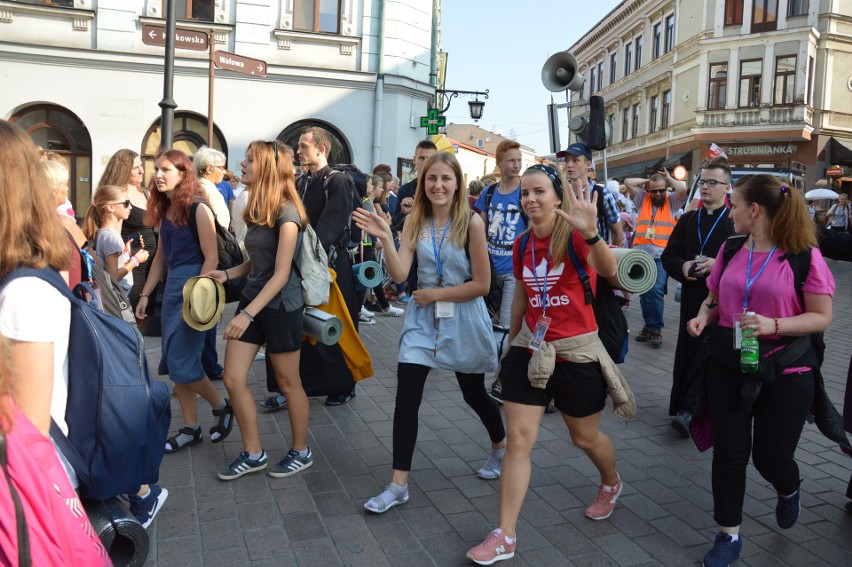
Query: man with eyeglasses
x=655 y=222
x=688 y=258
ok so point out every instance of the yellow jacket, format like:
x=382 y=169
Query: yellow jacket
x=354 y=352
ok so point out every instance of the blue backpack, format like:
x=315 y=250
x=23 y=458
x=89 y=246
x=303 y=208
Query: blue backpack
x=118 y=417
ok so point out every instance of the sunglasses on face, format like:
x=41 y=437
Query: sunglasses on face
x=657 y=191
x=125 y=204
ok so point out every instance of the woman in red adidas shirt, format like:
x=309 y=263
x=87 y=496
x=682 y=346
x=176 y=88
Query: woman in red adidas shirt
x=550 y=298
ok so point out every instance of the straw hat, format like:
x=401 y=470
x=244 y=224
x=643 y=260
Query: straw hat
x=203 y=302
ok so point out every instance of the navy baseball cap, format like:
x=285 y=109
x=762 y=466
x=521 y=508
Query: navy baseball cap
x=576 y=150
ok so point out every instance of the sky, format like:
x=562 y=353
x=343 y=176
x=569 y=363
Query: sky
x=501 y=45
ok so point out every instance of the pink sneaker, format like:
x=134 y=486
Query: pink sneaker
x=496 y=547
x=604 y=503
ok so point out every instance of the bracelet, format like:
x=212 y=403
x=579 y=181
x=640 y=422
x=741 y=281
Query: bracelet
x=248 y=316
x=777 y=329
x=227 y=276
x=594 y=239
x=135 y=261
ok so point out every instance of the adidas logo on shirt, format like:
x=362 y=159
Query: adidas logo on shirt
x=549 y=278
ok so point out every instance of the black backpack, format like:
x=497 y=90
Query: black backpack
x=230 y=254
x=613 y=329
x=357 y=186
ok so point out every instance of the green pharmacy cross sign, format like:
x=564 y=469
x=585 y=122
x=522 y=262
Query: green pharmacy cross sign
x=432 y=121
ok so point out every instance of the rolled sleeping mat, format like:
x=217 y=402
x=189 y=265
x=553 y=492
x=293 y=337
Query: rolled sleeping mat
x=124 y=538
x=322 y=326
x=636 y=271
x=367 y=275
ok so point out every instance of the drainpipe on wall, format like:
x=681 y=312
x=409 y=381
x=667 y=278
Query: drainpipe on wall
x=433 y=62
x=380 y=88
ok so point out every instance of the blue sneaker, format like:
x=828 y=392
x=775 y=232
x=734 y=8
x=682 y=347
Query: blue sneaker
x=725 y=551
x=787 y=510
x=405 y=298
x=291 y=464
x=145 y=508
x=243 y=465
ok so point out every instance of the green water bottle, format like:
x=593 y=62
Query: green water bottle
x=749 y=351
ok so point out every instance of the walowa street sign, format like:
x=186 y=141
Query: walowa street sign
x=184 y=39
x=240 y=64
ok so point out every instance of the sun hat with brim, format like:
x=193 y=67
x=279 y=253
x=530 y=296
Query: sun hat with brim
x=203 y=302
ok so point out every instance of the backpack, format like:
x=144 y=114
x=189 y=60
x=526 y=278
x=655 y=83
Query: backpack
x=118 y=417
x=312 y=268
x=109 y=296
x=356 y=181
x=613 y=329
x=230 y=254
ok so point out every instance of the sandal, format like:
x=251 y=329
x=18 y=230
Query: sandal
x=390 y=497
x=224 y=423
x=274 y=403
x=173 y=445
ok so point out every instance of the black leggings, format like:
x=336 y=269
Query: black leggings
x=409 y=394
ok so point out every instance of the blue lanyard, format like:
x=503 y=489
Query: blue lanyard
x=437 y=249
x=749 y=280
x=703 y=242
x=542 y=289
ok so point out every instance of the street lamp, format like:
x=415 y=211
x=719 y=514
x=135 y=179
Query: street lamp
x=476 y=105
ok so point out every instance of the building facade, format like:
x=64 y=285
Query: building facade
x=77 y=75
x=770 y=81
x=484 y=142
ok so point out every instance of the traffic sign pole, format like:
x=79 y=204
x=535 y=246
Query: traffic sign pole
x=168 y=104
x=210 y=78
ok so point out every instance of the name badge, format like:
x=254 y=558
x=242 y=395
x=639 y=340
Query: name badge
x=650 y=234
x=539 y=332
x=445 y=309
x=738 y=336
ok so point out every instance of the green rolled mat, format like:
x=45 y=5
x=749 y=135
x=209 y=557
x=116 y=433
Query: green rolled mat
x=636 y=271
x=324 y=327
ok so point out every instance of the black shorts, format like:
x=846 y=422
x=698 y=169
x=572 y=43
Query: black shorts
x=279 y=330
x=577 y=389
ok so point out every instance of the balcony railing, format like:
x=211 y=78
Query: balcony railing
x=765 y=116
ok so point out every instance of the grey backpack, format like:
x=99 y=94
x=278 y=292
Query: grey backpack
x=313 y=269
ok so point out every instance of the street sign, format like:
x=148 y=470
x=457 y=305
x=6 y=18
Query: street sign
x=240 y=64
x=432 y=121
x=184 y=39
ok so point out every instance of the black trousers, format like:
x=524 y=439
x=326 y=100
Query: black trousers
x=769 y=433
x=409 y=394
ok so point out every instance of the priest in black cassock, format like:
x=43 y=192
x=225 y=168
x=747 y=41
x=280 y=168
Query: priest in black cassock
x=689 y=256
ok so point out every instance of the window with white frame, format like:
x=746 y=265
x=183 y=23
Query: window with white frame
x=785 y=80
x=628 y=58
x=625 y=125
x=670 y=33
x=600 y=74
x=200 y=10
x=750 y=72
x=657 y=40
x=316 y=16
x=613 y=66
x=653 y=110
x=593 y=78
x=637 y=108
x=666 y=112
x=638 y=50
x=797 y=8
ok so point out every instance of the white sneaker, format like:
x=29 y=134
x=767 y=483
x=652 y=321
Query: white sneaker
x=393 y=311
x=366 y=312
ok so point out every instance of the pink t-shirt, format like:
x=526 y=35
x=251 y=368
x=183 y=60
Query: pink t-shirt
x=774 y=293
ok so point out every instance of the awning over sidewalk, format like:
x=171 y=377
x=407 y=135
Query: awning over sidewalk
x=841 y=151
x=684 y=159
x=644 y=168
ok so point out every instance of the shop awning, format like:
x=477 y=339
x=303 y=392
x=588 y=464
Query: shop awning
x=644 y=168
x=841 y=151
x=684 y=159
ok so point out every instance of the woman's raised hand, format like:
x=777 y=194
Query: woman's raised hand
x=584 y=211
x=372 y=223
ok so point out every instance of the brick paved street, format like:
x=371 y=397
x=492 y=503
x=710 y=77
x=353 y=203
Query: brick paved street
x=664 y=516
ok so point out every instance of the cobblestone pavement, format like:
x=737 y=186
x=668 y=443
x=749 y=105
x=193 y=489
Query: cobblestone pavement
x=664 y=516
